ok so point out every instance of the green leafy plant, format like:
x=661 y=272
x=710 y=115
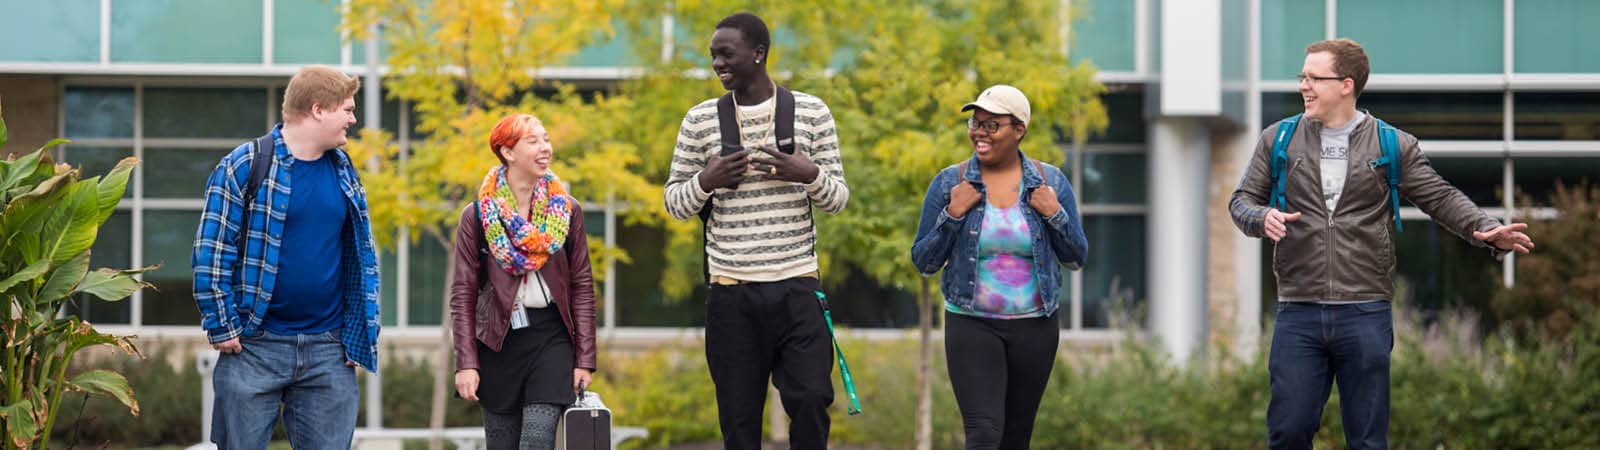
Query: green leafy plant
x=50 y=219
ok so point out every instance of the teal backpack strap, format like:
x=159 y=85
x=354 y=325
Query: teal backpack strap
x=1280 y=161
x=1389 y=143
x=844 y=369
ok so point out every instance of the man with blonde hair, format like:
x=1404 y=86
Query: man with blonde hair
x=286 y=274
x=1345 y=171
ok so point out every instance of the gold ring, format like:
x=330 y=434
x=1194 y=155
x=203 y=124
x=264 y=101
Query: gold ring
x=773 y=171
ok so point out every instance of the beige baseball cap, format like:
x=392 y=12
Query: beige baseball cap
x=1002 y=99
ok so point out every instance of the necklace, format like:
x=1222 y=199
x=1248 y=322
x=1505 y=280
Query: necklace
x=739 y=114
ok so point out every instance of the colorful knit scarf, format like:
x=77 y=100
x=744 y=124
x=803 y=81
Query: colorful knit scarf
x=522 y=245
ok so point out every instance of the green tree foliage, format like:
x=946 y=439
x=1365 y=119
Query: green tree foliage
x=1560 y=281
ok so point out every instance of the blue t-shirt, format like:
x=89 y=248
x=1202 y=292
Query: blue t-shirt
x=307 y=297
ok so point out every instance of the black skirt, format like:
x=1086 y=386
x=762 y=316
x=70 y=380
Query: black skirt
x=534 y=365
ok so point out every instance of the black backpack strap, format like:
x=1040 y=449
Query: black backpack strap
x=783 y=128
x=728 y=124
x=260 y=161
x=728 y=127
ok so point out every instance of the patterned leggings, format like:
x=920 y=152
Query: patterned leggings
x=533 y=429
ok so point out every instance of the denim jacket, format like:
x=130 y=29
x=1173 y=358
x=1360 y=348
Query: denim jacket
x=948 y=243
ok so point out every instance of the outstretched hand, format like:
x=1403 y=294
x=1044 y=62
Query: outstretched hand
x=1507 y=237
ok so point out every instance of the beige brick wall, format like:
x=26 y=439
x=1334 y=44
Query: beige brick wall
x=30 y=106
x=1222 y=298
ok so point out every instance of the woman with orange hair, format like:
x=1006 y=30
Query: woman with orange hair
x=521 y=296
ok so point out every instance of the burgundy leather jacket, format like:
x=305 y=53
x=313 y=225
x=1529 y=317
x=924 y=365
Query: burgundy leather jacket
x=481 y=298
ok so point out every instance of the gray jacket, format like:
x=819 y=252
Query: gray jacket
x=1347 y=255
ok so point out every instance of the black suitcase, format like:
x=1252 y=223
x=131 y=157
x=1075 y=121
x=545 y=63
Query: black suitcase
x=586 y=425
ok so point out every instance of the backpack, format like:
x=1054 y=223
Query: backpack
x=1388 y=142
x=728 y=126
x=260 y=160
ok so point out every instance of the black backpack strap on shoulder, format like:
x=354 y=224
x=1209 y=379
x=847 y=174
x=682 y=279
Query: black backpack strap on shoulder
x=783 y=125
x=260 y=161
x=728 y=128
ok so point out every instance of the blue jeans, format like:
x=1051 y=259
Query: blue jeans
x=1314 y=345
x=304 y=374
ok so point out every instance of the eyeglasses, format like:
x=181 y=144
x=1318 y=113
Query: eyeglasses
x=1309 y=78
x=988 y=126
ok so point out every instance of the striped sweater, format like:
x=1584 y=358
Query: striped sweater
x=762 y=229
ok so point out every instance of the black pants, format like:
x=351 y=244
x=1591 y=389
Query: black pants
x=998 y=369
x=760 y=330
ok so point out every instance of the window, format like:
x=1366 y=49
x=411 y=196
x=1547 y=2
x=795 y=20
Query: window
x=1113 y=277
x=93 y=112
x=1103 y=35
x=1538 y=177
x=426 y=275
x=206 y=31
x=1555 y=36
x=168 y=240
x=1436 y=270
x=179 y=172
x=1442 y=115
x=305 y=32
x=58 y=31
x=1285 y=31
x=234 y=113
x=1112 y=186
x=1557 y=116
x=1479 y=178
x=1125 y=109
x=1113 y=178
x=1439 y=115
x=1431 y=36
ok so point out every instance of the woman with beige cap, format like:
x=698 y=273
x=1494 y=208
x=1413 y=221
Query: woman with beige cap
x=1000 y=225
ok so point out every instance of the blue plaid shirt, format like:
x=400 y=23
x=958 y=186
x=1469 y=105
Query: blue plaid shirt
x=233 y=291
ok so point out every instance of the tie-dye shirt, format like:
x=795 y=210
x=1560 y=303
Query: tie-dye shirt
x=1005 y=287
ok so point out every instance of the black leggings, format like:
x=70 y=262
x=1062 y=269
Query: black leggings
x=998 y=369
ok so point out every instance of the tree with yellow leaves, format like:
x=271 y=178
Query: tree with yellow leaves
x=462 y=65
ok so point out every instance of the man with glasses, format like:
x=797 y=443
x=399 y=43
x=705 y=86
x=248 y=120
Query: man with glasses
x=763 y=319
x=1335 y=267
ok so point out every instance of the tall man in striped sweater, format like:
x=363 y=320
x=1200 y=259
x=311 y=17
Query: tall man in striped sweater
x=762 y=318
